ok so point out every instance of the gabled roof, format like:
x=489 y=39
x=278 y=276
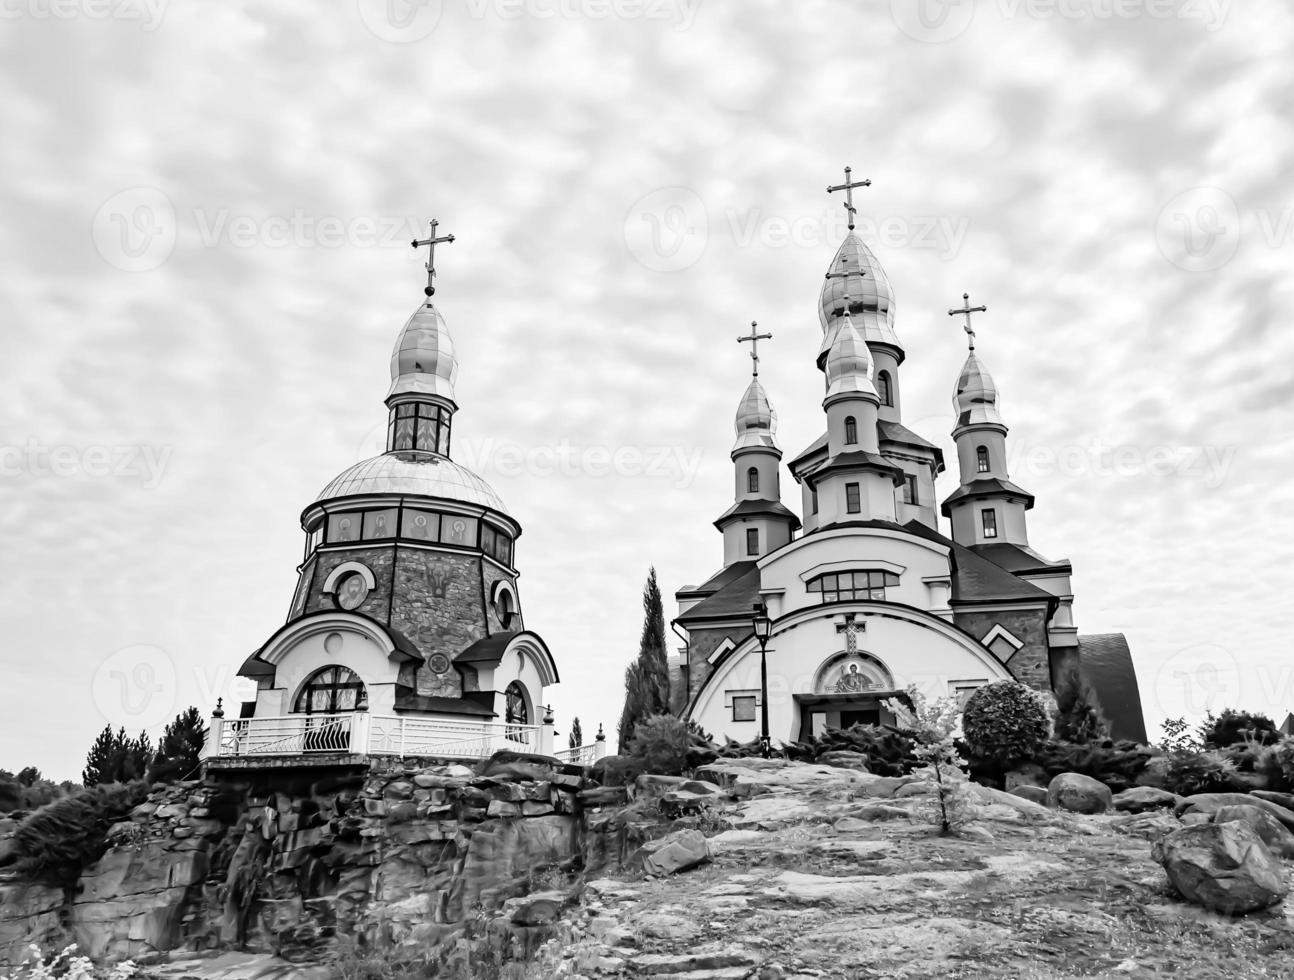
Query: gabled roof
x=857 y=460
x=1105 y=662
x=1019 y=559
x=748 y=508
x=977 y=579
x=489 y=650
x=717 y=581
x=900 y=433
x=991 y=487
x=733 y=601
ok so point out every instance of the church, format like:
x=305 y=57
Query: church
x=863 y=593
x=406 y=631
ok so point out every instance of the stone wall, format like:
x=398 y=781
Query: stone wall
x=440 y=607
x=1030 y=664
x=701 y=645
x=380 y=560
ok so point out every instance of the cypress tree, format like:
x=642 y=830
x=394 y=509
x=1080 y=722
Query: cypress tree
x=647 y=678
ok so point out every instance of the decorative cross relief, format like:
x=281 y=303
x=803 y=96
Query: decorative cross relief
x=851 y=628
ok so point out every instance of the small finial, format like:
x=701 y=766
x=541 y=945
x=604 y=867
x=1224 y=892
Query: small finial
x=753 y=339
x=431 y=241
x=848 y=187
x=601 y=737
x=967 y=310
x=220 y=708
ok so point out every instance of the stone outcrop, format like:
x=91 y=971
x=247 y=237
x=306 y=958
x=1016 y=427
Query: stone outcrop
x=1139 y=799
x=1277 y=837
x=1223 y=866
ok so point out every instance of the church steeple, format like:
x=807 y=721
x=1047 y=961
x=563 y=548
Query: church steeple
x=424 y=369
x=757 y=522
x=987 y=508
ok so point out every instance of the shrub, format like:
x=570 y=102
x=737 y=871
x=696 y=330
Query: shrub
x=1005 y=722
x=1117 y=764
x=933 y=725
x=67 y=966
x=1178 y=736
x=1238 y=728
x=1079 y=718
x=889 y=752
x=661 y=743
x=1201 y=772
x=59 y=840
x=1276 y=762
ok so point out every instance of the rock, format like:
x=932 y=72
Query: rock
x=1155 y=773
x=500 y=808
x=1211 y=802
x=518 y=771
x=675 y=852
x=534 y=808
x=538 y=909
x=1277 y=837
x=1077 y=793
x=914 y=789
x=884 y=787
x=879 y=811
x=1034 y=794
x=401 y=789
x=603 y=796
x=1028 y=774
x=1271 y=796
x=1196 y=818
x=653 y=786
x=1139 y=799
x=1151 y=825
x=844 y=759
x=664 y=925
x=976 y=833
x=1223 y=866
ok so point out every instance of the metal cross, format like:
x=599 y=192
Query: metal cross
x=432 y=241
x=848 y=187
x=851 y=629
x=754 y=338
x=967 y=309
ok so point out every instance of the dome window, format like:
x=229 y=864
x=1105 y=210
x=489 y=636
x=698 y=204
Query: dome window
x=851 y=431
x=981 y=459
x=883 y=388
x=752 y=480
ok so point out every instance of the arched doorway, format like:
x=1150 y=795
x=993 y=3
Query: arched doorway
x=327 y=698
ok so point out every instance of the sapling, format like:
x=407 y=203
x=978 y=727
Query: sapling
x=933 y=725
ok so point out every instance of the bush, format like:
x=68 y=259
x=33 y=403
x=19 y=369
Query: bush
x=59 y=840
x=1238 y=728
x=1276 y=762
x=1005 y=722
x=1117 y=764
x=661 y=743
x=889 y=752
x=1079 y=718
x=1201 y=772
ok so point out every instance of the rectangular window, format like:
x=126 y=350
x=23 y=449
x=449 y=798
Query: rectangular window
x=458 y=530
x=853 y=502
x=752 y=541
x=343 y=527
x=421 y=525
x=910 y=489
x=813 y=498
x=379 y=524
x=989 y=523
x=743 y=708
x=487 y=539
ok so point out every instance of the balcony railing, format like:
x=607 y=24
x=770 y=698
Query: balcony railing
x=299 y=734
x=412 y=736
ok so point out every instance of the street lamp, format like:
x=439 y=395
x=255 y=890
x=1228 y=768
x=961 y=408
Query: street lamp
x=763 y=627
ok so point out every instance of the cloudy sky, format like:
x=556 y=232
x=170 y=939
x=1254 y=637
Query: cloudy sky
x=204 y=264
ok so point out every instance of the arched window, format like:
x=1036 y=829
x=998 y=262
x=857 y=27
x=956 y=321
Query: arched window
x=981 y=459
x=752 y=480
x=507 y=614
x=330 y=690
x=851 y=431
x=883 y=388
x=516 y=712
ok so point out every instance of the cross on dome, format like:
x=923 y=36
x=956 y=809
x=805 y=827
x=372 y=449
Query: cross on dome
x=967 y=310
x=431 y=241
x=753 y=339
x=848 y=187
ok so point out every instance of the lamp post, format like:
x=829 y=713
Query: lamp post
x=763 y=627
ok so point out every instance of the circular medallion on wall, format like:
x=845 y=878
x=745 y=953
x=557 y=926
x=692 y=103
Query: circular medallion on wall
x=439 y=663
x=352 y=591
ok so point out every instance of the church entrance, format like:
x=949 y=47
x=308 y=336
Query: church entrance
x=818 y=712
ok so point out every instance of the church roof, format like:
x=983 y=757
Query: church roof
x=417 y=473
x=756 y=421
x=423 y=361
x=858 y=459
x=1106 y=664
x=734 y=600
x=990 y=487
x=900 y=433
x=817 y=446
x=977 y=579
x=1019 y=559
x=747 y=508
x=857 y=274
x=716 y=581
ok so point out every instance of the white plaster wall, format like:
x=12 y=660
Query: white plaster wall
x=356 y=651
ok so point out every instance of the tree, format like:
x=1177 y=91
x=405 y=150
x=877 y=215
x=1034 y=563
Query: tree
x=1236 y=728
x=647 y=678
x=1080 y=719
x=577 y=733
x=932 y=726
x=116 y=758
x=29 y=775
x=179 y=750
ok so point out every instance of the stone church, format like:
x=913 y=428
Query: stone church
x=866 y=591
x=406 y=605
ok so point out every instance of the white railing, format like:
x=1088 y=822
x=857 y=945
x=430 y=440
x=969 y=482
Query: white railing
x=409 y=736
x=288 y=735
x=582 y=755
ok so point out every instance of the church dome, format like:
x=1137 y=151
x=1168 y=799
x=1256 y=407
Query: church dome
x=423 y=361
x=976 y=396
x=871 y=299
x=417 y=473
x=849 y=364
x=756 y=421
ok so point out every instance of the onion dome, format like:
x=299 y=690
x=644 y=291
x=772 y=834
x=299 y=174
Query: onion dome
x=849 y=363
x=976 y=397
x=756 y=422
x=413 y=473
x=855 y=273
x=423 y=361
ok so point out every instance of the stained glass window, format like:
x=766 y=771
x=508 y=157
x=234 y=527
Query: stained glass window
x=380 y=523
x=343 y=527
x=458 y=530
x=329 y=691
x=516 y=712
x=421 y=525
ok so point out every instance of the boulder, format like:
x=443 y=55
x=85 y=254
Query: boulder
x=652 y=785
x=1271 y=796
x=1139 y=799
x=1210 y=803
x=1277 y=837
x=844 y=759
x=678 y=851
x=1077 y=793
x=1223 y=866
x=1155 y=773
x=1034 y=794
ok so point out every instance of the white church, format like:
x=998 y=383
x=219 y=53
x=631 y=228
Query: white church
x=864 y=592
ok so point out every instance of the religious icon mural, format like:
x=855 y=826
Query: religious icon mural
x=853 y=673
